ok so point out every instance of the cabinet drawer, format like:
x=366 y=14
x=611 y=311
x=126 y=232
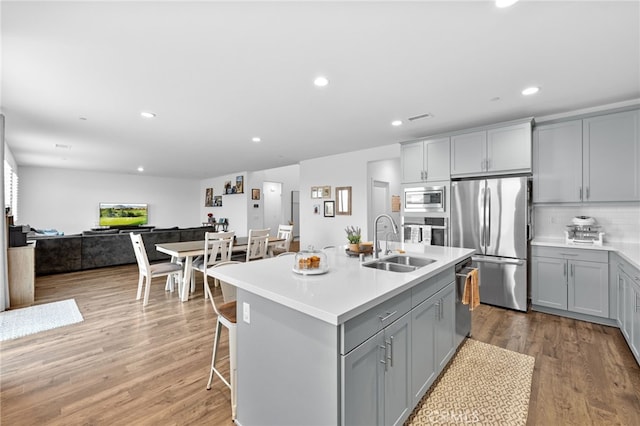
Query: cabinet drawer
x=428 y=288
x=365 y=325
x=626 y=267
x=588 y=255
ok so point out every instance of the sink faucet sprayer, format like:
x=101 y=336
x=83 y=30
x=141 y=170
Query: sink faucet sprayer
x=375 y=232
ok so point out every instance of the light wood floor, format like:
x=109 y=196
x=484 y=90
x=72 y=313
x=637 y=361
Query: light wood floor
x=125 y=365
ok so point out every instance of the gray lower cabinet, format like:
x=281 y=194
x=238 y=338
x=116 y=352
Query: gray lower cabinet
x=433 y=335
x=386 y=375
x=377 y=376
x=571 y=280
x=628 y=315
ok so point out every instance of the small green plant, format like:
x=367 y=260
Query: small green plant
x=353 y=234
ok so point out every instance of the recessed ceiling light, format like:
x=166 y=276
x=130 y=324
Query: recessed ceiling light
x=505 y=3
x=147 y=114
x=497 y=98
x=62 y=146
x=396 y=123
x=256 y=139
x=321 y=81
x=530 y=90
x=141 y=169
x=83 y=118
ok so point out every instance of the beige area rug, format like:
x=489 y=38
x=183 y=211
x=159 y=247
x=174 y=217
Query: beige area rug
x=483 y=385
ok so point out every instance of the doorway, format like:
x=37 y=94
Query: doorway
x=379 y=205
x=272 y=193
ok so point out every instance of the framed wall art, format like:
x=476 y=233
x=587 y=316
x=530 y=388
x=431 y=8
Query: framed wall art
x=208 y=197
x=329 y=209
x=255 y=194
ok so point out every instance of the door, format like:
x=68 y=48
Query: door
x=397 y=389
x=557 y=163
x=503 y=281
x=295 y=212
x=588 y=288
x=272 y=194
x=506 y=217
x=549 y=282
x=436 y=159
x=468 y=153
x=467 y=213
x=363 y=383
x=509 y=149
x=612 y=157
x=445 y=326
x=423 y=318
x=412 y=162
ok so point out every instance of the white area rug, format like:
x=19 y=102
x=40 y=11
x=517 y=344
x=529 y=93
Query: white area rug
x=25 y=321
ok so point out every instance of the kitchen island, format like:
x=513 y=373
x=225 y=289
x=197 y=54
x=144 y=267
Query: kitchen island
x=337 y=348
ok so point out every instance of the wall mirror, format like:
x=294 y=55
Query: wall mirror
x=343 y=200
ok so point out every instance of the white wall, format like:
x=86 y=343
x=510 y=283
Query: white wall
x=348 y=169
x=620 y=222
x=234 y=206
x=67 y=200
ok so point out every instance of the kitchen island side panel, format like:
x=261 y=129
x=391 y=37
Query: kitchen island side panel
x=288 y=366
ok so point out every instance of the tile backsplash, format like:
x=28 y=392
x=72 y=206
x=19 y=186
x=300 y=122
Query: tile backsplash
x=620 y=222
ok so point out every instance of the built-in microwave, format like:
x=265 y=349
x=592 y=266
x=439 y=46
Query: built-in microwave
x=424 y=199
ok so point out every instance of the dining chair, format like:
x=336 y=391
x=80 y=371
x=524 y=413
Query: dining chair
x=285 y=232
x=215 y=244
x=257 y=244
x=225 y=311
x=148 y=272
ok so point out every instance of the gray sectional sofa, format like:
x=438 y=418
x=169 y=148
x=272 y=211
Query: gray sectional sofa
x=97 y=249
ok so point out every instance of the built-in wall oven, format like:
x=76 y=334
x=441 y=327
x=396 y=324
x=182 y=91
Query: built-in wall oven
x=426 y=230
x=424 y=199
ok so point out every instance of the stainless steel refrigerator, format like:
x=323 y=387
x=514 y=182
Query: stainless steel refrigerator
x=492 y=216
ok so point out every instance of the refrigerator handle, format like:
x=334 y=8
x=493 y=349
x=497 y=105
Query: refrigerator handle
x=483 y=223
x=488 y=219
x=498 y=260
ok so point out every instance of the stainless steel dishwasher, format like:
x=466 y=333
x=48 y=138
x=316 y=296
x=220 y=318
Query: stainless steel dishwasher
x=463 y=315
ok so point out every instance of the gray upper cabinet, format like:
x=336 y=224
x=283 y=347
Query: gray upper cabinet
x=595 y=159
x=496 y=150
x=425 y=161
x=611 y=157
x=557 y=162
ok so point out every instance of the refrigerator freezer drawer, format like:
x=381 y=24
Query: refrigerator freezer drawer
x=503 y=282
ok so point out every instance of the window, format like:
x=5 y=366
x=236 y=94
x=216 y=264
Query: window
x=11 y=189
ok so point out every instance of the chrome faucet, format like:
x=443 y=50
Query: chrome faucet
x=375 y=232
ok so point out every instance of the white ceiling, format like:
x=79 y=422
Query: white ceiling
x=217 y=74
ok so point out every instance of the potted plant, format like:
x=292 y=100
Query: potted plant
x=353 y=235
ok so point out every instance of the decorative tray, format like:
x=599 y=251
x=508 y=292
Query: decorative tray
x=312 y=271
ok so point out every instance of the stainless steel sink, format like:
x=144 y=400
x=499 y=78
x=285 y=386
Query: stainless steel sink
x=393 y=267
x=399 y=263
x=418 y=262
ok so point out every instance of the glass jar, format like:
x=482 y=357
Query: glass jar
x=310 y=261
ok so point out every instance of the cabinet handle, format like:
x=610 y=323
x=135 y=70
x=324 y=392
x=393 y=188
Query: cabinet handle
x=565 y=270
x=481 y=165
x=384 y=357
x=441 y=309
x=426 y=174
x=391 y=350
x=637 y=304
x=573 y=270
x=587 y=192
x=580 y=193
x=438 y=310
x=389 y=315
x=568 y=254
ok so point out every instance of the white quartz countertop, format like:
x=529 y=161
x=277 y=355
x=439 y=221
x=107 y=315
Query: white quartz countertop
x=345 y=291
x=629 y=251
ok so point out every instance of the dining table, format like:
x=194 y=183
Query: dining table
x=190 y=249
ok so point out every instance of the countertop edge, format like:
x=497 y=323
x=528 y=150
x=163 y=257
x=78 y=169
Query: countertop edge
x=628 y=251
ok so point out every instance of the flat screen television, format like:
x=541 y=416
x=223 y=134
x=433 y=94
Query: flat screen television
x=123 y=214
